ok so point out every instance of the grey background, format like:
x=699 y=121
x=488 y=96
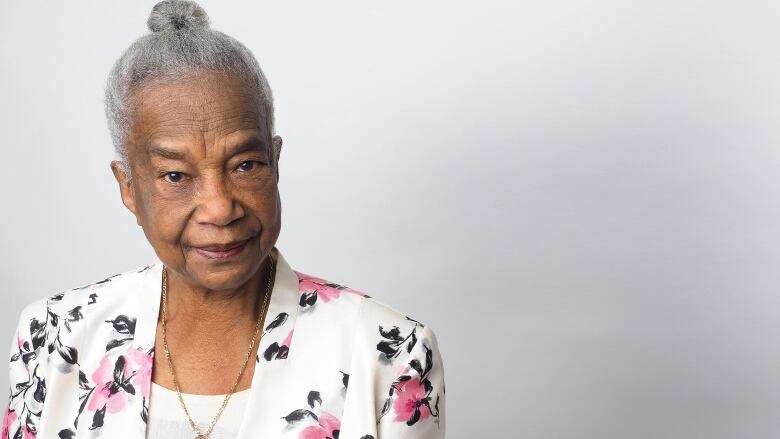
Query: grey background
x=580 y=198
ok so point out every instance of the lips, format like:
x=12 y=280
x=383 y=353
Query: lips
x=222 y=247
x=222 y=251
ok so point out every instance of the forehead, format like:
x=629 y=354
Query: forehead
x=210 y=106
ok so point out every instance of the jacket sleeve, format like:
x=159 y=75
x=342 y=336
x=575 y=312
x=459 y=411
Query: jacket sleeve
x=415 y=404
x=27 y=391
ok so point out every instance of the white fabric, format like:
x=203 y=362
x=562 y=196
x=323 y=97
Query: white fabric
x=168 y=421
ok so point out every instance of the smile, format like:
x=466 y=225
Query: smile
x=222 y=251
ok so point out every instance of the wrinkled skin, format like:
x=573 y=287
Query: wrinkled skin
x=192 y=185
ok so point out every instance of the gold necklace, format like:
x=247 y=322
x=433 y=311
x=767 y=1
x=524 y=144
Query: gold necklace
x=260 y=319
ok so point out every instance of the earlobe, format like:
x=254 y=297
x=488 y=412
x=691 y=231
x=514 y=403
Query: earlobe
x=277 y=142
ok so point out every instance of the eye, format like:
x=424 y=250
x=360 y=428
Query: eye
x=248 y=165
x=174 y=177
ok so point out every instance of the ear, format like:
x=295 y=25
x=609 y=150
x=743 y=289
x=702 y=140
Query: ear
x=125 y=187
x=277 y=142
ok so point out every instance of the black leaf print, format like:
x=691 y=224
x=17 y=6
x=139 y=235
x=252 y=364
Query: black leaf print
x=75 y=314
x=415 y=416
x=336 y=434
x=299 y=414
x=415 y=364
x=386 y=348
x=277 y=321
x=275 y=352
x=393 y=334
x=56 y=297
x=54 y=318
x=416 y=323
x=29 y=422
x=314 y=396
x=120 y=379
x=308 y=299
x=391 y=345
x=144 y=269
x=92 y=299
x=144 y=412
x=84 y=398
x=387 y=405
x=67 y=434
x=123 y=324
x=38 y=332
x=412 y=342
x=97 y=418
x=117 y=342
x=108 y=279
x=83 y=382
x=368 y=436
x=69 y=354
x=18 y=434
x=345 y=379
x=27 y=354
x=40 y=391
x=428 y=361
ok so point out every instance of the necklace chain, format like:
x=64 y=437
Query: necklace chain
x=258 y=326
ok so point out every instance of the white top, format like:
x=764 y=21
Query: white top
x=167 y=419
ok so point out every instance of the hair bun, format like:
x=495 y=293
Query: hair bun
x=173 y=15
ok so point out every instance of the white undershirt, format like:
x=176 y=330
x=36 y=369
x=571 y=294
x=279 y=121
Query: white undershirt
x=168 y=421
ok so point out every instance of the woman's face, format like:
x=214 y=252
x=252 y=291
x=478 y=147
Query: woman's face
x=204 y=176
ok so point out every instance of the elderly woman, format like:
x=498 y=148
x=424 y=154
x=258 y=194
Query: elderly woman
x=218 y=337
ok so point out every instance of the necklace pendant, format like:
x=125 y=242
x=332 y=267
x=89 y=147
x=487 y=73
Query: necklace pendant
x=201 y=436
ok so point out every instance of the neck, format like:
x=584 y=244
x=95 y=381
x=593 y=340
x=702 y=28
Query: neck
x=216 y=312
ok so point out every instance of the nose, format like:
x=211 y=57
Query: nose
x=216 y=203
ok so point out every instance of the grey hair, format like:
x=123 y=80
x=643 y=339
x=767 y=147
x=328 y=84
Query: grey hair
x=180 y=45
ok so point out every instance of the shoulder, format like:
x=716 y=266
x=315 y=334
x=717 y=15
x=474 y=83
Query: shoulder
x=39 y=319
x=395 y=367
x=88 y=294
x=375 y=328
x=391 y=335
x=362 y=313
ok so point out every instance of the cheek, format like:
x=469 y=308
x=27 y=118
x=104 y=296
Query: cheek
x=264 y=204
x=165 y=217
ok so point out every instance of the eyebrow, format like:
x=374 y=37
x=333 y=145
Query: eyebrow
x=251 y=144
x=166 y=153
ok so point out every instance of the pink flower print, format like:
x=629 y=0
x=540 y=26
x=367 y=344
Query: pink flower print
x=287 y=340
x=143 y=364
x=411 y=400
x=28 y=433
x=111 y=385
x=324 y=291
x=8 y=419
x=326 y=428
x=313 y=288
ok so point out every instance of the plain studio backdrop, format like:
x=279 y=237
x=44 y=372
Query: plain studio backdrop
x=580 y=198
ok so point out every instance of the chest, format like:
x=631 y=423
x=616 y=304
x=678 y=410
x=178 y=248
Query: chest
x=208 y=367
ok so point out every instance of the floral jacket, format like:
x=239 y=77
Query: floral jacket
x=332 y=363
